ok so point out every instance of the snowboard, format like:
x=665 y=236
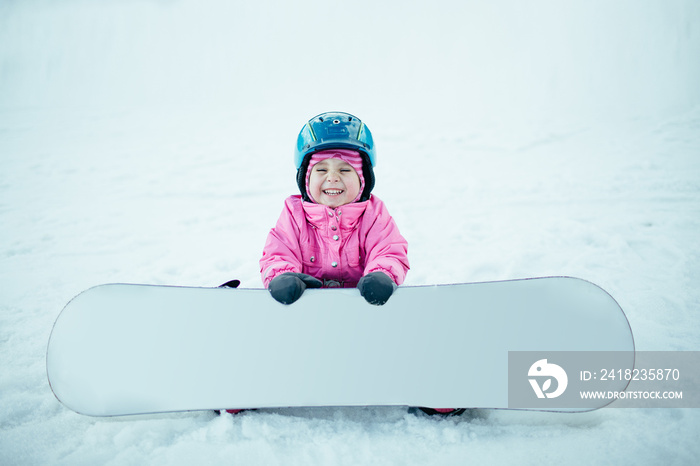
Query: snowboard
x=121 y=349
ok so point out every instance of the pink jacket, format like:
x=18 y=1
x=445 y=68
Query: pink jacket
x=337 y=246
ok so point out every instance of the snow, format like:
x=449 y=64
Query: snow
x=151 y=141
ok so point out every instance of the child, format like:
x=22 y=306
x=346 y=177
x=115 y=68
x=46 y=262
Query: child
x=335 y=233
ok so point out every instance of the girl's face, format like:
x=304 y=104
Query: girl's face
x=333 y=182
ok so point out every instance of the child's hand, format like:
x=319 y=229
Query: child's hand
x=288 y=287
x=376 y=287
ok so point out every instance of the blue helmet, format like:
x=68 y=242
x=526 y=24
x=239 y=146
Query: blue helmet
x=335 y=130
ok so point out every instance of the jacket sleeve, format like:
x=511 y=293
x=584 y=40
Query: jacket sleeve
x=281 y=252
x=386 y=250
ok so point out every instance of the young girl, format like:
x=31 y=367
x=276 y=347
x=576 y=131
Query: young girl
x=335 y=233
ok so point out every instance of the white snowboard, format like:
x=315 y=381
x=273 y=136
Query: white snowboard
x=133 y=349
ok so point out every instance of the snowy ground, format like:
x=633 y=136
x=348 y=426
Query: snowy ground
x=150 y=142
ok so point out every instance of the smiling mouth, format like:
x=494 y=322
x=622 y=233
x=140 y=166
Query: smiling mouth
x=333 y=192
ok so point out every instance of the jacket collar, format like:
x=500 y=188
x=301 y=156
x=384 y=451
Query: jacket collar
x=349 y=214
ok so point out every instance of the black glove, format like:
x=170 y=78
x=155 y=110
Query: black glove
x=376 y=287
x=288 y=287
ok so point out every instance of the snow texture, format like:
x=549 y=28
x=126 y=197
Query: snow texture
x=151 y=142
